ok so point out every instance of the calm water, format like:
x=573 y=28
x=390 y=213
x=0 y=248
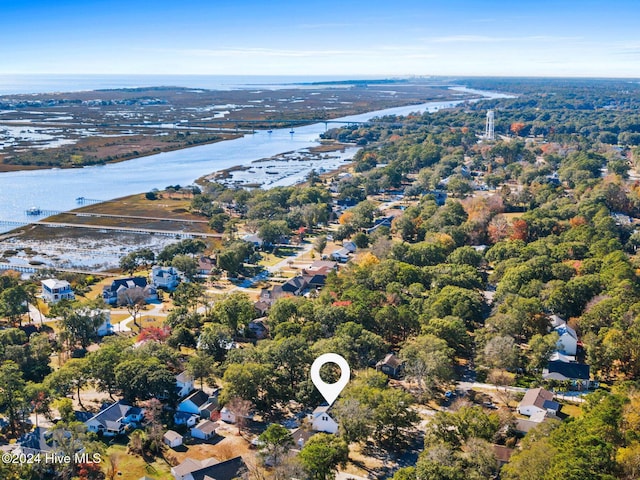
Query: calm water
x=57 y=189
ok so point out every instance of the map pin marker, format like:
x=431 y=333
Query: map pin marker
x=330 y=391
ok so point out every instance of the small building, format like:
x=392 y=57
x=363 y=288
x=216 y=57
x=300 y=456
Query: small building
x=184 y=384
x=391 y=365
x=349 y=245
x=502 y=454
x=204 y=430
x=538 y=401
x=209 y=468
x=206 y=265
x=54 y=290
x=253 y=239
x=258 y=328
x=321 y=421
x=113 y=419
x=227 y=415
x=166 y=278
x=172 y=439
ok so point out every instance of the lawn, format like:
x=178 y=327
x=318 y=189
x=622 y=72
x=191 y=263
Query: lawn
x=133 y=466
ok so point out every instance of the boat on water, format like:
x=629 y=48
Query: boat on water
x=269 y=131
x=33 y=211
x=291 y=131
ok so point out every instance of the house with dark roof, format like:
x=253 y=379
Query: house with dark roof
x=301 y=436
x=391 y=365
x=209 y=469
x=190 y=409
x=110 y=292
x=167 y=278
x=538 y=401
x=577 y=373
x=114 y=419
x=206 y=265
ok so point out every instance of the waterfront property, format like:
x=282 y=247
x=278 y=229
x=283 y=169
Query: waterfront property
x=54 y=290
x=119 y=287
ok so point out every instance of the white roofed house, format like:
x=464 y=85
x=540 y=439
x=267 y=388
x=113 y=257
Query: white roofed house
x=172 y=438
x=54 y=290
x=184 y=384
x=321 y=421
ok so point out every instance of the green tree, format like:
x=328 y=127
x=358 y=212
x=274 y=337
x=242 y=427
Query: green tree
x=322 y=455
x=12 y=393
x=275 y=442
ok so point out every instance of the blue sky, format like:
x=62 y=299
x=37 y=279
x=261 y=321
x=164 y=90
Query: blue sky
x=455 y=37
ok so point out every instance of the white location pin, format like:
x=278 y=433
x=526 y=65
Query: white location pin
x=330 y=391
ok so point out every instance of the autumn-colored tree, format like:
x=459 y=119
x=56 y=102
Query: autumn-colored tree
x=519 y=230
x=498 y=228
x=156 y=334
x=345 y=218
x=577 y=221
x=516 y=128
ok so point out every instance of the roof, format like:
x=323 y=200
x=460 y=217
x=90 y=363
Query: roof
x=561 y=357
x=207 y=426
x=52 y=283
x=301 y=435
x=129 y=282
x=502 y=453
x=566 y=330
x=210 y=468
x=172 y=435
x=198 y=398
x=111 y=416
x=321 y=264
x=536 y=397
x=184 y=377
x=391 y=360
x=567 y=370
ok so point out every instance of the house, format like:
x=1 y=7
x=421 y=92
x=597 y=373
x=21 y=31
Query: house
x=300 y=437
x=204 y=430
x=209 y=469
x=568 y=341
x=321 y=421
x=227 y=415
x=172 y=439
x=557 y=356
x=110 y=292
x=184 y=384
x=349 y=245
x=502 y=454
x=206 y=265
x=166 y=278
x=322 y=265
x=54 y=290
x=538 y=401
x=258 y=328
x=390 y=365
x=189 y=410
x=577 y=373
x=113 y=419
x=253 y=239
x=342 y=255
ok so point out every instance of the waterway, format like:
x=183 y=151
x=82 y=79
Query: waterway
x=57 y=189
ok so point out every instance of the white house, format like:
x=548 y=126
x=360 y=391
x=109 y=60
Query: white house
x=165 y=277
x=172 y=439
x=204 y=430
x=112 y=420
x=349 y=245
x=105 y=327
x=538 y=402
x=54 y=290
x=341 y=255
x=227 y=415
x=321 y=421
x=184 y=384
x=568 y=341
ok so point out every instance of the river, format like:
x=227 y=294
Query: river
x=57 y=189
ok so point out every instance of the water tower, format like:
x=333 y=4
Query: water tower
x=489 y=132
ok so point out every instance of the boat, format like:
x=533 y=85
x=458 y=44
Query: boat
x=34 y=211
x=269 y=131
x=291 y=131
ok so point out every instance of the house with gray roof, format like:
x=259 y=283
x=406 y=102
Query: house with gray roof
x=113 y=419
x=538 y=401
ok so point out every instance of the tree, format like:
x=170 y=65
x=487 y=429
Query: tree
x=240 y=409
x=200 y=366
x=12 y=393
x=79 y=327
x=394 y=418
x=133 y=299
x=234 y=311
x=275 y=441
x=322 y=454
x=428 y=361
x=215 y=340
x=103 y=363
x=14 y=303
x=355 y=419
x=320 y=243
x=501 y=352
x=187 y=265
x=249 y=380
